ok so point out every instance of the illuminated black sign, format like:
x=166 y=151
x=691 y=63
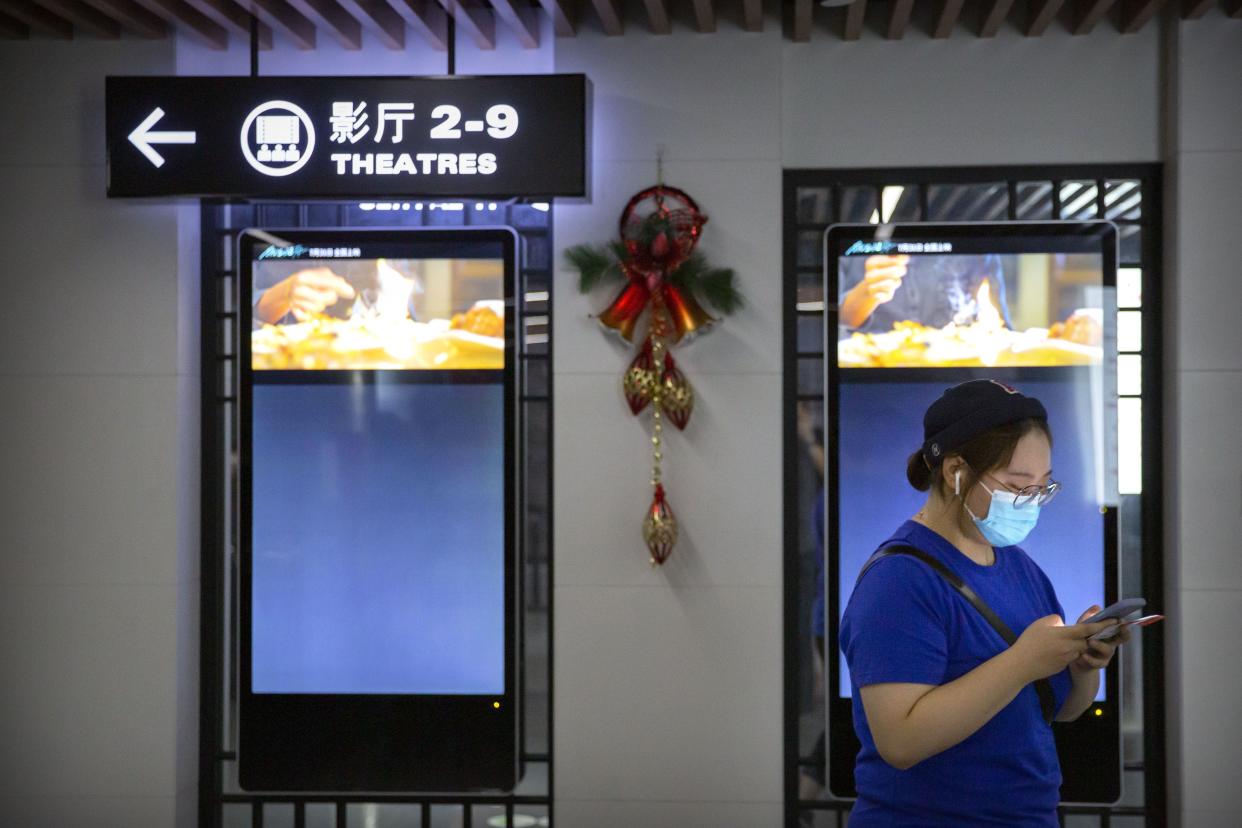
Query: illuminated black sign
x=512 y=135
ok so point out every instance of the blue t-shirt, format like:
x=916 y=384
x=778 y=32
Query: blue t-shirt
x=904 y=623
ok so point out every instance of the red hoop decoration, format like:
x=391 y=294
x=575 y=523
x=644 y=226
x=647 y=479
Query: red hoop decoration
x=671 y=245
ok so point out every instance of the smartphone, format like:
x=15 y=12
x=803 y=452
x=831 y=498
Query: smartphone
x=1109 y=633
x=1118 y=610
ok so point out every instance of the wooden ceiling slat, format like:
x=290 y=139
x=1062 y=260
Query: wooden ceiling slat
x=327 y=15
x=1194 y=9
x=83 y=17
x=946 y=18
x=1136 y=13
x=855 y=14
x=1092 y=13
x=657 y=15
x=1042 y=13
x=427 y=18
x=285 y=19
x=752 y=15
x=39 y=19
x=185 y=18
x=232 y=17
x=476 y=22
x=610 y=19
x=802 y=21
x=704 y=16
x=995 y=18
x=564 y=14
x=133 y=17
x=525 y=27
x=899 y=19
x=379 y=19
x=12 y=28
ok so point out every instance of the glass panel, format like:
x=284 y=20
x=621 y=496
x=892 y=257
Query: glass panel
x=1129 y=287
x=1034 y=200
x=810 y=334
x=858 y=204
x=811 y=279
x=446 y=214
x=1078 y=199
x=1123 y=200
x=323 y=215
x=810 y=297
x=370 y=214
x=814 y=205
x=1129 y=331
x=809 y=453
x=320 y=815
x=278 y=815
x=811 y=248
x=810 y=376
x=1131 y=244
x=278 y=215
x=535 y=375
x=1130 y=445
x=485 y=212
x=538 y=251
x=372 y=815
x=524 y=816
x=534 y=782
x=1130 y=375
x=533 y=300
x=899 y=203
x=446 y=816
x=236 y=815
x=529 y=215
x=489 y=816
x=967 y=202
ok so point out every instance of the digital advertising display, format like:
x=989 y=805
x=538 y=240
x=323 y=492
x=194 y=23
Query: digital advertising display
x=920 y=308
x=377 y=504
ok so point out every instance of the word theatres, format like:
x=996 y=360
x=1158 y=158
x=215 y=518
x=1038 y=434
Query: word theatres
x=424 y=163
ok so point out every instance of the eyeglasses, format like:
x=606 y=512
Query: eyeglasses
x=1038 y=495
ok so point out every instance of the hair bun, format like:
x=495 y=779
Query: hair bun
x=917 y=472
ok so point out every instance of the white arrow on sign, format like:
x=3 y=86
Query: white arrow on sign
x=143 y=138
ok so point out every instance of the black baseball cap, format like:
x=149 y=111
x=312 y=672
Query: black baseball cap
x=965 y=411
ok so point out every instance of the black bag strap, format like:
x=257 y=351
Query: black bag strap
x=1043 y=688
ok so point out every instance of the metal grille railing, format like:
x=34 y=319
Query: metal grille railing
x=222 y=803
x=1128 y=195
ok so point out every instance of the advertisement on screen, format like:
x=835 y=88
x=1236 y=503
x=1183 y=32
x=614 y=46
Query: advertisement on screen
x=377 y=314
x=377 y=510
x=970 y=310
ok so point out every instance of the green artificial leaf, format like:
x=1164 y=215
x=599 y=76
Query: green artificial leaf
x=718 y=286
x=596 y=265
x=715 y=285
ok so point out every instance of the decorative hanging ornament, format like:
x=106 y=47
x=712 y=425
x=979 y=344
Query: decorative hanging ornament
x=660 y=528
x=665 y=281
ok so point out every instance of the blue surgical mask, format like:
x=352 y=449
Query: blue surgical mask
x=1006 y=524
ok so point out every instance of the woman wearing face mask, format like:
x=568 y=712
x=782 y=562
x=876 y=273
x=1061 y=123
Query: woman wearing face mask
x=951 y=720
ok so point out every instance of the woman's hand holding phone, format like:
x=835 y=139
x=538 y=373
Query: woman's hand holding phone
x=1048 y=646
x=1099 y=650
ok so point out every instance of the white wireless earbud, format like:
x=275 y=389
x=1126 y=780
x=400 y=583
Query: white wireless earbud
x=957 y=482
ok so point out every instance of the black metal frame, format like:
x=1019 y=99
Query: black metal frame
x=218 y=473
x=1149 y=176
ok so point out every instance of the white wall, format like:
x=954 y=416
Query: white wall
x=668 y=685
x=1203 y=387
x=668 y=681
x=98 y=499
